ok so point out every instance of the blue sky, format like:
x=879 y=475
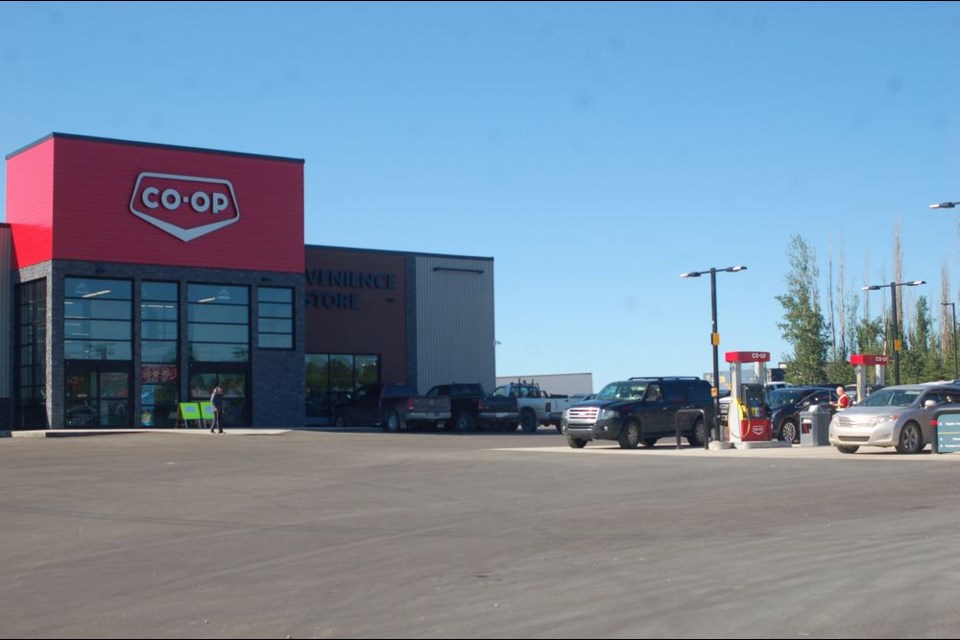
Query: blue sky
x=595 y=150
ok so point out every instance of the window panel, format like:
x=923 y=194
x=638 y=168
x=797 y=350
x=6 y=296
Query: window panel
x=211 y=313
x=150 y=330
x=205 y=352
x=274 y=310
x=96 y=350
x=274 y=341
x=97 y=288
x=158 y=311
x=162 y=352
x=97 y=330
x=219 y=333
x=159 y=291
x=276 y=326
x=99 y=309
x=215 y=294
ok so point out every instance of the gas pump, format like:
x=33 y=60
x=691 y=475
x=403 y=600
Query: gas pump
x=748 y=419
x=861 y=361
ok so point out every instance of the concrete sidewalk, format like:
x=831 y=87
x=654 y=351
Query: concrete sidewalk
x=74 y=433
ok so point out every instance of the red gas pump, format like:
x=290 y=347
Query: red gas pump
x=748 y=419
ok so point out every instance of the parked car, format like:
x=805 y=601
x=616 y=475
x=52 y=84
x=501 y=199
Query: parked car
x=786 y=405
x=392 y=406
x=642 y=410
x=897 y=416
x=471 y=407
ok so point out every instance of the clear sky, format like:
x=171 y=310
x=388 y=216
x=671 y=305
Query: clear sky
x=595 y=150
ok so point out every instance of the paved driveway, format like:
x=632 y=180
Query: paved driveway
x=365 y=534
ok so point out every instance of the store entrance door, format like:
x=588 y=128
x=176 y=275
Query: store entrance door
x=97 y=394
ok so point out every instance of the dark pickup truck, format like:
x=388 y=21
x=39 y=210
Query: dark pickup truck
x=471 y=407
x=395 y=407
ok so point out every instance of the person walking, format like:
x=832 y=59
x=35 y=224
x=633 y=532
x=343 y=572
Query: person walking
x=216 y=399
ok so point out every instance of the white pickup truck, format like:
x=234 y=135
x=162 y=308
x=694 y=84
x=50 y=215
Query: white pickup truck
x=535 y=405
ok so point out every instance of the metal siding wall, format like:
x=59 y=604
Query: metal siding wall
x=6 y=314
x=455 y=321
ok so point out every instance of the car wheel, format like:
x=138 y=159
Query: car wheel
x=528 y=421
x=789 y=432
x=392 y=423
x=463 y=421
x=649 y=442
x=576 y=443
x=844 y=449
x=698 y=435
x=629 y=436
x=911 y=439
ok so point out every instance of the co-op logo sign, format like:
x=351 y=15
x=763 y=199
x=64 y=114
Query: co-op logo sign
x=186 y=207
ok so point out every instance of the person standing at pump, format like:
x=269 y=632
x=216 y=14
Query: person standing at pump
x=216 y=399
x=843 y=400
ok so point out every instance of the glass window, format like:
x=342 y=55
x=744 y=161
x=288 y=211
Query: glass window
x=97 y=319
x=267 y=341
x=217 y=294
x=206 y=312
x=96 y=350
x=158 y=352
x=159 y=292
x=228 y=333
x=97 y=288
x=205 y=352
x=153 y=330
x=30 y=354
x=96 y=329
x=218 y=323
x=276 y=326
x=159 y=346
x=274 y=318
x=330 y=377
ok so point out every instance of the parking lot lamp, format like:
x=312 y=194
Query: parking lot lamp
x=945 y=205
x=953 y=309
x=715 y=341
x=893 y=322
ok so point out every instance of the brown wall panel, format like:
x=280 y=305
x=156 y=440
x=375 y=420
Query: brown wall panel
x=355 y=304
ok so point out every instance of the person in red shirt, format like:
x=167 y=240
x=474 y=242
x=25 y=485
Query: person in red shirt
x=843 y=400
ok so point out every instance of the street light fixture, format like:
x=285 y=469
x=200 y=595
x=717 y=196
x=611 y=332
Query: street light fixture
x=715 y=341
x=896 y=340
x=953 y=309
x=945 y=205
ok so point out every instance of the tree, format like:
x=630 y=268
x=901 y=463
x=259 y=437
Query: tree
x=803 y=325
x=922 y=361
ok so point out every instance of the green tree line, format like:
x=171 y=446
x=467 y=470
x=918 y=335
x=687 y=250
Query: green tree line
x=823 y=340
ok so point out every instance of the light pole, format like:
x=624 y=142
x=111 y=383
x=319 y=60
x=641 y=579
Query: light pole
x=945 y=205
x=953 y=309
x=896 y=339
x=715 y=341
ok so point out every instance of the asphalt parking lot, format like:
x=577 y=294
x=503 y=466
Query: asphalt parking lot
x=363 y=534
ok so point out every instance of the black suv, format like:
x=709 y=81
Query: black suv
x=642 y=410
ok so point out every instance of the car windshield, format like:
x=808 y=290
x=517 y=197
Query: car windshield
x=891 y=398
x=622 y=391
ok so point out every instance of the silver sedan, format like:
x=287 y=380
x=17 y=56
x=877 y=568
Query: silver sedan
x=891 y=417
